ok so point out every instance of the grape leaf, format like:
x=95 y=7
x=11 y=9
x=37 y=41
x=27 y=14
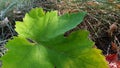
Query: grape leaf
x=47 y=25
x=41 y=43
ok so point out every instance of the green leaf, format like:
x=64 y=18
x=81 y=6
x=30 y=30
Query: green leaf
x=41 y=43
x=41 y=27
x=25 y=54
x=78 y=48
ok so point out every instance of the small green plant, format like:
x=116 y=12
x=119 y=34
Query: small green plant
x=41 y=43
x=7 y=6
